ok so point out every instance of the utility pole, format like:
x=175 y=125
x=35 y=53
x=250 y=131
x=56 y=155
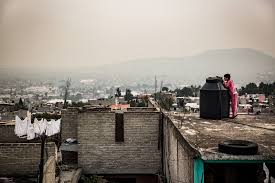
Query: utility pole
x=41 y=165
x=66 y=88
x=156 y=88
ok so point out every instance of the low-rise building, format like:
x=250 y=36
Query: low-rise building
x=149 y=145
x=126 y=144
x=191 y=149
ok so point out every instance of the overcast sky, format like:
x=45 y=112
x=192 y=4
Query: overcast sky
x=93 y=32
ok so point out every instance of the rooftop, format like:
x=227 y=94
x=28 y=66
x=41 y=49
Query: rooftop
x=89 y=108
x=7 y=122
x=203 y=135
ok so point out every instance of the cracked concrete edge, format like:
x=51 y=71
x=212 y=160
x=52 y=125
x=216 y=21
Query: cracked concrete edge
x=77 y=175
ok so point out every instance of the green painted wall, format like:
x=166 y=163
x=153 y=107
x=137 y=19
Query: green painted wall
x=198 y=171
x=199 y=166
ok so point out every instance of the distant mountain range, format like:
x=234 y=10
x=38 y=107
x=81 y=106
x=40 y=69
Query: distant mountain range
x=245 y=65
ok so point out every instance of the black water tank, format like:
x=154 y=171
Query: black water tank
x=214 y=99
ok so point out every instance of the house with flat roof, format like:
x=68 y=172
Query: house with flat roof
x=191 y=149
x=142 y=145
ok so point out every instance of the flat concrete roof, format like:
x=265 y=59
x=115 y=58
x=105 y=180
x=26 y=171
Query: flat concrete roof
x=204 y=134
x=10 y=122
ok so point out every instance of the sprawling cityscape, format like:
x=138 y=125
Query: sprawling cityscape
x=137 y=92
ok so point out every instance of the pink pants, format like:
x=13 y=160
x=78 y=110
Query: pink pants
x=234 y=104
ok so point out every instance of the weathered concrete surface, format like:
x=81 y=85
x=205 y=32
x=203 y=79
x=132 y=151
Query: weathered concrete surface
x=49 y=170
x=178 y=155
x=70 y=176
x=203 y=135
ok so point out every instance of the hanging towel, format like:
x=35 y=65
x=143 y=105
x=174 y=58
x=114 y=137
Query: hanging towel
x=21 y=126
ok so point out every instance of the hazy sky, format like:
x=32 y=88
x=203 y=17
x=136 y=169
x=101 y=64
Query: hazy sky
x=93 y=32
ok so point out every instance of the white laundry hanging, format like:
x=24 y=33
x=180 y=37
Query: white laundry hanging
x=49 y=128
x=53 y=127
x=56 y=126
x=24 y=128
x=30 y=131
x=39 y=126
x=21 y=126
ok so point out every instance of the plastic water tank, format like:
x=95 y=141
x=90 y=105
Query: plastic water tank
x=214 y=99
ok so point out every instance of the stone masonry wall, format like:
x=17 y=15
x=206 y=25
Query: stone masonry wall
x=99 y=153
x=22 y=159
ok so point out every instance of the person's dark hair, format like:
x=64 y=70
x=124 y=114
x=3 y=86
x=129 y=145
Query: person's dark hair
x=227 y=76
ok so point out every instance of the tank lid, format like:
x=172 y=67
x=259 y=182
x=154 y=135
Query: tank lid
x=213 y=79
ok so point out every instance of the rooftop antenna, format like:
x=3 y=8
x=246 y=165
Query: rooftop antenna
x=160 y=95
x=156 y=88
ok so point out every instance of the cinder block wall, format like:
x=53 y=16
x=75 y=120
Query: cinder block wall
x=99 y=153
x=7 y=134
x=69 y=124
x=178 y=156
x=22 y=159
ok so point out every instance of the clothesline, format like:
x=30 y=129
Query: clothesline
x=26 y=129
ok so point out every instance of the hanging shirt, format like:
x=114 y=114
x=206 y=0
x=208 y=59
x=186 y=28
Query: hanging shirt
x=39 y=126
x=56 y=126
x=48 y=128
x=30 y=131
x=21 y=126
x=53 y=127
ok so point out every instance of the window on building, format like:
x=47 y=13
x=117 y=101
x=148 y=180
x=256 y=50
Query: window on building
x=119 y=134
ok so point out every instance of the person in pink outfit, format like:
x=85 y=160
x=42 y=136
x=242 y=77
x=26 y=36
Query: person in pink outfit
x=229 y=84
